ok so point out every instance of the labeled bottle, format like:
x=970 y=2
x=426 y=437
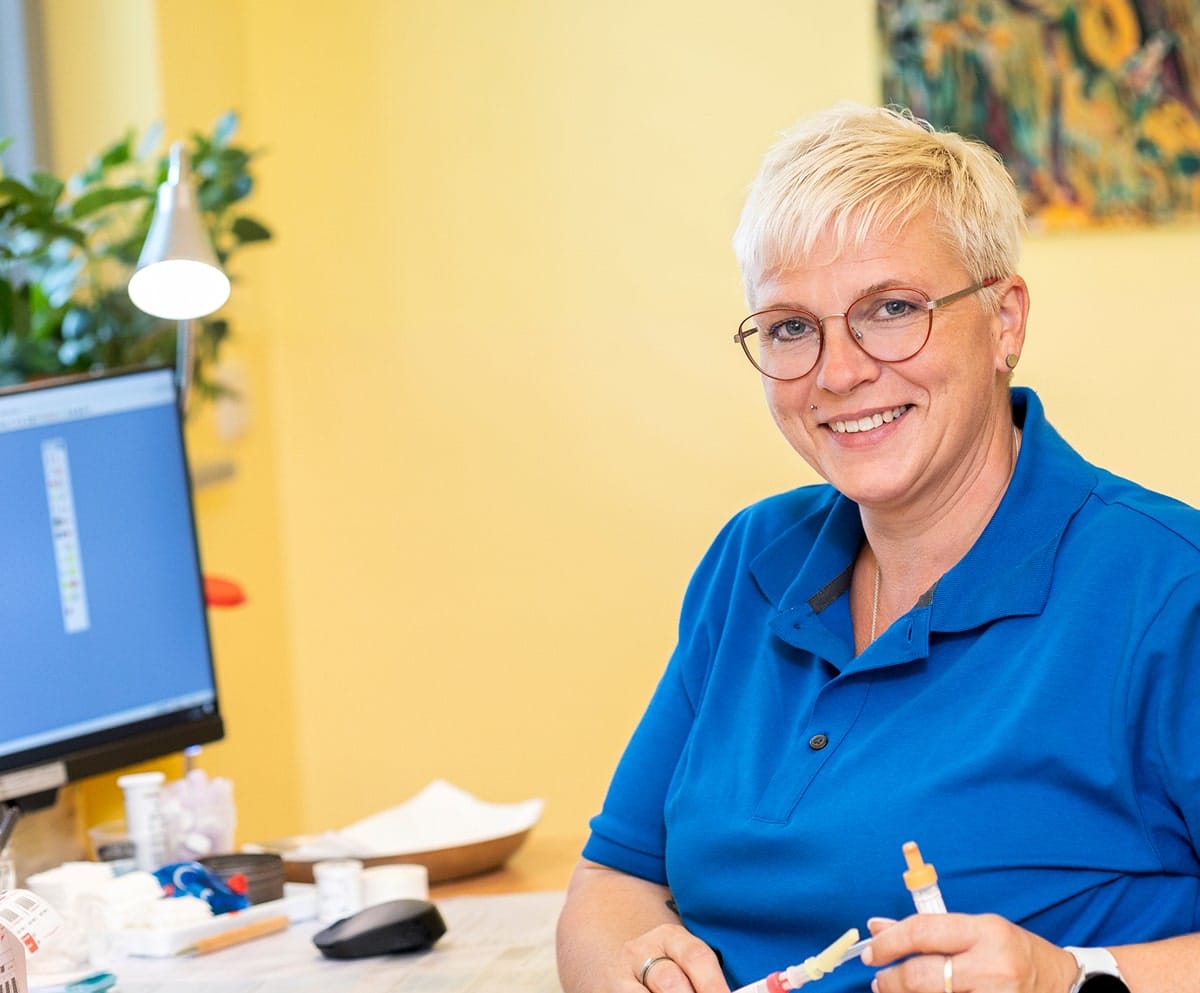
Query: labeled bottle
x=144 y=820
x=921 y=880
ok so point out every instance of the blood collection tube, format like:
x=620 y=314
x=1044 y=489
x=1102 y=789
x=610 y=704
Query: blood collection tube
x=921 y=880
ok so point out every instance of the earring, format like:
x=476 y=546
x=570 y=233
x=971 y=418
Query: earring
x=1011 y=360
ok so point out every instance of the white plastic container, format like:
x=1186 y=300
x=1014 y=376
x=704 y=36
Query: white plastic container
x=144 y=819
x=339 y=888
x=381 y=883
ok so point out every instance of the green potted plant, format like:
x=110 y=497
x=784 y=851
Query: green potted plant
x=68 y=248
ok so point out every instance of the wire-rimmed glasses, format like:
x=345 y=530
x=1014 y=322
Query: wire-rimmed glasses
x=890 y=325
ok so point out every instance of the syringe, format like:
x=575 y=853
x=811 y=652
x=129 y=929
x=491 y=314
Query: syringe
x=814 y=967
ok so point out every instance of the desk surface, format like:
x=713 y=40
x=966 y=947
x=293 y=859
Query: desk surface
x=500 y=936
x=542 y=863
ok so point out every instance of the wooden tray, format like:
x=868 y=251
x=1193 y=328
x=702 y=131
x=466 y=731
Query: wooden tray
x=443 y=864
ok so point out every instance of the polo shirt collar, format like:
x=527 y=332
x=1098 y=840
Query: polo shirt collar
x=1007 y=571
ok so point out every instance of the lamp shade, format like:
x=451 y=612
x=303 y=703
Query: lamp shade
x=177 y=275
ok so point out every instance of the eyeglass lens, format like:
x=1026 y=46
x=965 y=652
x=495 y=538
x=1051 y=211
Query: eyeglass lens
x=890 y=325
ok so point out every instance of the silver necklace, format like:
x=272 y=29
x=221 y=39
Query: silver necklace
x=1016 y=444
x=875 y=604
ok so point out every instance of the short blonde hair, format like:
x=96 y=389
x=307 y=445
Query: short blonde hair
x=853 y=169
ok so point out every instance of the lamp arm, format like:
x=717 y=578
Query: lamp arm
x=185 y=360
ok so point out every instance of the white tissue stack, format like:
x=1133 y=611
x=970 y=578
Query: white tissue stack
x=440 y=816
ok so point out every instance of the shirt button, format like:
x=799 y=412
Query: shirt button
x=818 y=741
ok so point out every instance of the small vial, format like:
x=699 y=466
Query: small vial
x=8 y=871
x=144 y=819
x=339 y=888
x=921 y=880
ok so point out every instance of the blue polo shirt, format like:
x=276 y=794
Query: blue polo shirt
x=1033 y=723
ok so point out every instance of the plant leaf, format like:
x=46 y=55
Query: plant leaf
x=150 y=140
x=51 y=230
x=224 y=129
x=47 y=187
x=18 y=191
x=117 y=153
x=246 y=230
x=104 y=196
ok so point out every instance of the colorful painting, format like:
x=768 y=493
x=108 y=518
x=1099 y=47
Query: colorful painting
x=1094 y=104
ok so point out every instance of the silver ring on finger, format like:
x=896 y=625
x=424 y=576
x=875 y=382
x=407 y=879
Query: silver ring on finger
x=649 y=964
x=948 y=975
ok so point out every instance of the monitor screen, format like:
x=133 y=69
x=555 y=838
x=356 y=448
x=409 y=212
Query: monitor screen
x=104 y=644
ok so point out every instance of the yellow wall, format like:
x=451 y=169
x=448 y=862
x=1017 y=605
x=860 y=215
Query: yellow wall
x=495 y=409
x=96 y=88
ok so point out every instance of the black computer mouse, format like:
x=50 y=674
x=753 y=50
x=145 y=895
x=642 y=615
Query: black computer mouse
x=386 y=928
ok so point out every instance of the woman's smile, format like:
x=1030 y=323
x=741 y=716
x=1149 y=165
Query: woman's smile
x=868 y=422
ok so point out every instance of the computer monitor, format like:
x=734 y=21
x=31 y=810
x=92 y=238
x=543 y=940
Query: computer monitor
x=105 y=655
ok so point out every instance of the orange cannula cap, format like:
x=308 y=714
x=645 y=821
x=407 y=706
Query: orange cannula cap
x=920 y=873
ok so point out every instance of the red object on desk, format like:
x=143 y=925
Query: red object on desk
x=222 y=592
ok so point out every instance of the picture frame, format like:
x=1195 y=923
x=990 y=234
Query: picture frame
x=1094 y=105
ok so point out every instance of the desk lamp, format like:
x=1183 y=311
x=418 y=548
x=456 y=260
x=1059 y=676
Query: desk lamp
x=178 y=277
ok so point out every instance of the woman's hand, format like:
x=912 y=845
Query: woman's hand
x=670 y=959
x=618 y=934
x=965 y=953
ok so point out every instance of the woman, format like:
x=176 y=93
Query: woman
x=970 y=637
